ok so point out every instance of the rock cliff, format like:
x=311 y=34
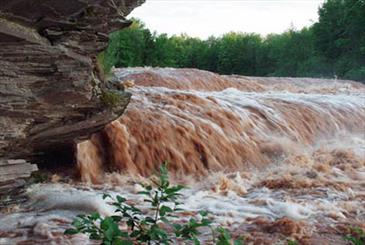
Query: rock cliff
x=50 y=80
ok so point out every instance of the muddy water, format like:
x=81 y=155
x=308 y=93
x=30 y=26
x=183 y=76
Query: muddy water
x=270 y=158
x=203 y=123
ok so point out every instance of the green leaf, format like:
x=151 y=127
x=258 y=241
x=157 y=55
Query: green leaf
x=130 y=223
x=110 y=228
x=177 y=226
x=94 y=236
x=174 y=189
x=124 y=242
x=292 y=242
x=353 y=240
x=147 y=193
x=105 y=196
x=164 y=175
x=149 y=220
x=116 y=218
x=166 y=221
x=135 y=233
x=135 y=210
x=121 y=199
x=124 y=234
x=196 y=241
x=94 y=216
x=226 y=234
x=77 y=223
x=158 y=232
x=224 y=238
x=203 y=213
x=164 y=210
x=205 y=222
x=71 y=232
x=238 y=242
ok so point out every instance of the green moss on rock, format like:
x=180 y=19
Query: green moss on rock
x=111 y=98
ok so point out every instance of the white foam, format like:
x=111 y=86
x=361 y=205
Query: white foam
x=65 y=197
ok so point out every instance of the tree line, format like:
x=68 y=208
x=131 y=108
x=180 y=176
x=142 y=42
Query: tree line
x=334 y=46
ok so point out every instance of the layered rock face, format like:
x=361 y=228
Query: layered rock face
x=50 y=81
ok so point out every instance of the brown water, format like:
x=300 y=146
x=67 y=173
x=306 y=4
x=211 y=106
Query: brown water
x=201 y=122
x=269 y=158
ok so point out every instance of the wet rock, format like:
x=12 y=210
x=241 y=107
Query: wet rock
x=50 y=80
x=15 y=169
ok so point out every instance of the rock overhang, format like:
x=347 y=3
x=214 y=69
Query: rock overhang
x=49 y=72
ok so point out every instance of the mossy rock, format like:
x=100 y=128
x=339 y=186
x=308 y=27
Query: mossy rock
x=113 y=98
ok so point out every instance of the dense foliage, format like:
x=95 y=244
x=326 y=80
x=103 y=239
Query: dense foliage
x=332 y=47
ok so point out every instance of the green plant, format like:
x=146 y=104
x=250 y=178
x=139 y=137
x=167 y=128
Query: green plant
x=224 y=238
x=153 y=227
x=111 y=98
x=292 y=242
x=98 y=228
x=357 y=236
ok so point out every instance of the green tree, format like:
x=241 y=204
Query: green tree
x=128 y=47
x=293 y=54
x=335 y=45
x=237 y=53
x=340 y=36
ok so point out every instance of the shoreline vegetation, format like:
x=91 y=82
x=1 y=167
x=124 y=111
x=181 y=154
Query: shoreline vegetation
x=333 y=47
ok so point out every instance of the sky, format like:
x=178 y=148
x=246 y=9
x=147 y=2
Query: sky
x=203 y=18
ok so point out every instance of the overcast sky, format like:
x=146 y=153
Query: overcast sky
x=202 y=18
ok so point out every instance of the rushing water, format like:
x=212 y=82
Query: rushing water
x=206 y=125
x=270 y=158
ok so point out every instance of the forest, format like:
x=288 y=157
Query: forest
x=333 y=47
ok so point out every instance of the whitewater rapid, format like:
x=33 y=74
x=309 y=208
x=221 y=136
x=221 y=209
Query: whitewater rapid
x=201 y=122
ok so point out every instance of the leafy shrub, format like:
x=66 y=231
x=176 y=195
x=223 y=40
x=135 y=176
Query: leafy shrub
x=154 y=227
